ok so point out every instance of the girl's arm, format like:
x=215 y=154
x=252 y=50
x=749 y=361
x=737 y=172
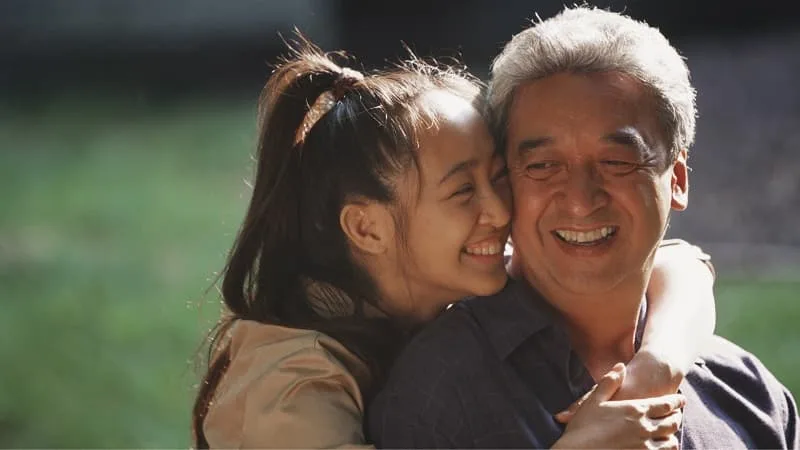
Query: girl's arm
x=680 y=319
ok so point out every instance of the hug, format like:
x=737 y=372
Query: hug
x=427 y=262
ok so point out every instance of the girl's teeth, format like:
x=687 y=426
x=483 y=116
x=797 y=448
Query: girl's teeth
x=485 y=251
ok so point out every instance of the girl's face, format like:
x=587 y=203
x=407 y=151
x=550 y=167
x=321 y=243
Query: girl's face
x=455 y=212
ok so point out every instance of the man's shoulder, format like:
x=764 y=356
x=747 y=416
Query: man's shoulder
x=469 y=336
x=738 y=372
x=725 y=357
x=735 y=398
x=425 y=384
x=436 y=380
x=447 y=342
x=444 y=351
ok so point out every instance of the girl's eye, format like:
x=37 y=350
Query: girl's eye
x=463 y=190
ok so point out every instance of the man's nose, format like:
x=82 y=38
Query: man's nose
x=584 y=191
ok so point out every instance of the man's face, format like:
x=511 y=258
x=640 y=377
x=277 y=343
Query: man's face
x=592 y=181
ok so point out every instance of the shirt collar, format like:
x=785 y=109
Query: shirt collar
x=518 y=312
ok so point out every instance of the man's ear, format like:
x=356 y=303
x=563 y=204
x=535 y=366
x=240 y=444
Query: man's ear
x=368 y=226
x=680 y=182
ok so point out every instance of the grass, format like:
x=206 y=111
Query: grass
x=115 y=216
x=762 y=316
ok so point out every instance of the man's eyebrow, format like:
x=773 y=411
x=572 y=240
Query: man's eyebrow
x=629 y=137
x=529 y=145
x=459 y=167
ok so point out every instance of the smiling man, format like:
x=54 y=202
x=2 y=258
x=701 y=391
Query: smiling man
x=596 y=114
x=594 y=183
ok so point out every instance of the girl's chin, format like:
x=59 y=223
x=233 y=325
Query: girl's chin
x=491 y=286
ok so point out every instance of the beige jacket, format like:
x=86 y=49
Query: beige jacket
x=287 y=388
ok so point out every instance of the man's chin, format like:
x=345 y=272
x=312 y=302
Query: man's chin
x=586 y=282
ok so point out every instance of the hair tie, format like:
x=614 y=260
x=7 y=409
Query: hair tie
x=347 y=78
x=326 y=101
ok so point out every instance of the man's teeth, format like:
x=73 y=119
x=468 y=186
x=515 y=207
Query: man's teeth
x=486 y=249
x=582 y=237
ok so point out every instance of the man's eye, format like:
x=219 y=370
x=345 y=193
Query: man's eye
x=541 y=165
x=542 y=170
x=619 y=166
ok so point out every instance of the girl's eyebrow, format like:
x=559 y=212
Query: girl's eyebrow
x=462 y=166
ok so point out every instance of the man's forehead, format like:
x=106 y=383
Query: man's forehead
x=607 y=105
x=570 y=88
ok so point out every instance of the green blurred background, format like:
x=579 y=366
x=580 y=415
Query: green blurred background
x=121 y=191
x=115 y=222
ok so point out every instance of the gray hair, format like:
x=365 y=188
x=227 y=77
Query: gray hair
x=584 y=40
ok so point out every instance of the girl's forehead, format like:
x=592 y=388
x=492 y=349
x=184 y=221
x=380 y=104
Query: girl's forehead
x=442 y=105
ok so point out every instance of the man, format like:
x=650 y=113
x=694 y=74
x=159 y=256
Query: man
x=596 y=113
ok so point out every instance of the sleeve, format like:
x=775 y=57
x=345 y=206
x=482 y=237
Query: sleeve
x=790 y=421
x=692 y=250
x=303 y=399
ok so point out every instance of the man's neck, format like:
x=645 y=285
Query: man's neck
x=603 y=336
x=601 y=327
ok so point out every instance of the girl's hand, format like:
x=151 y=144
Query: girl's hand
x=599 y=422
x=647 y=375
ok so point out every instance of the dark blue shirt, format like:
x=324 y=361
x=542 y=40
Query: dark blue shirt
x=492 y=371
